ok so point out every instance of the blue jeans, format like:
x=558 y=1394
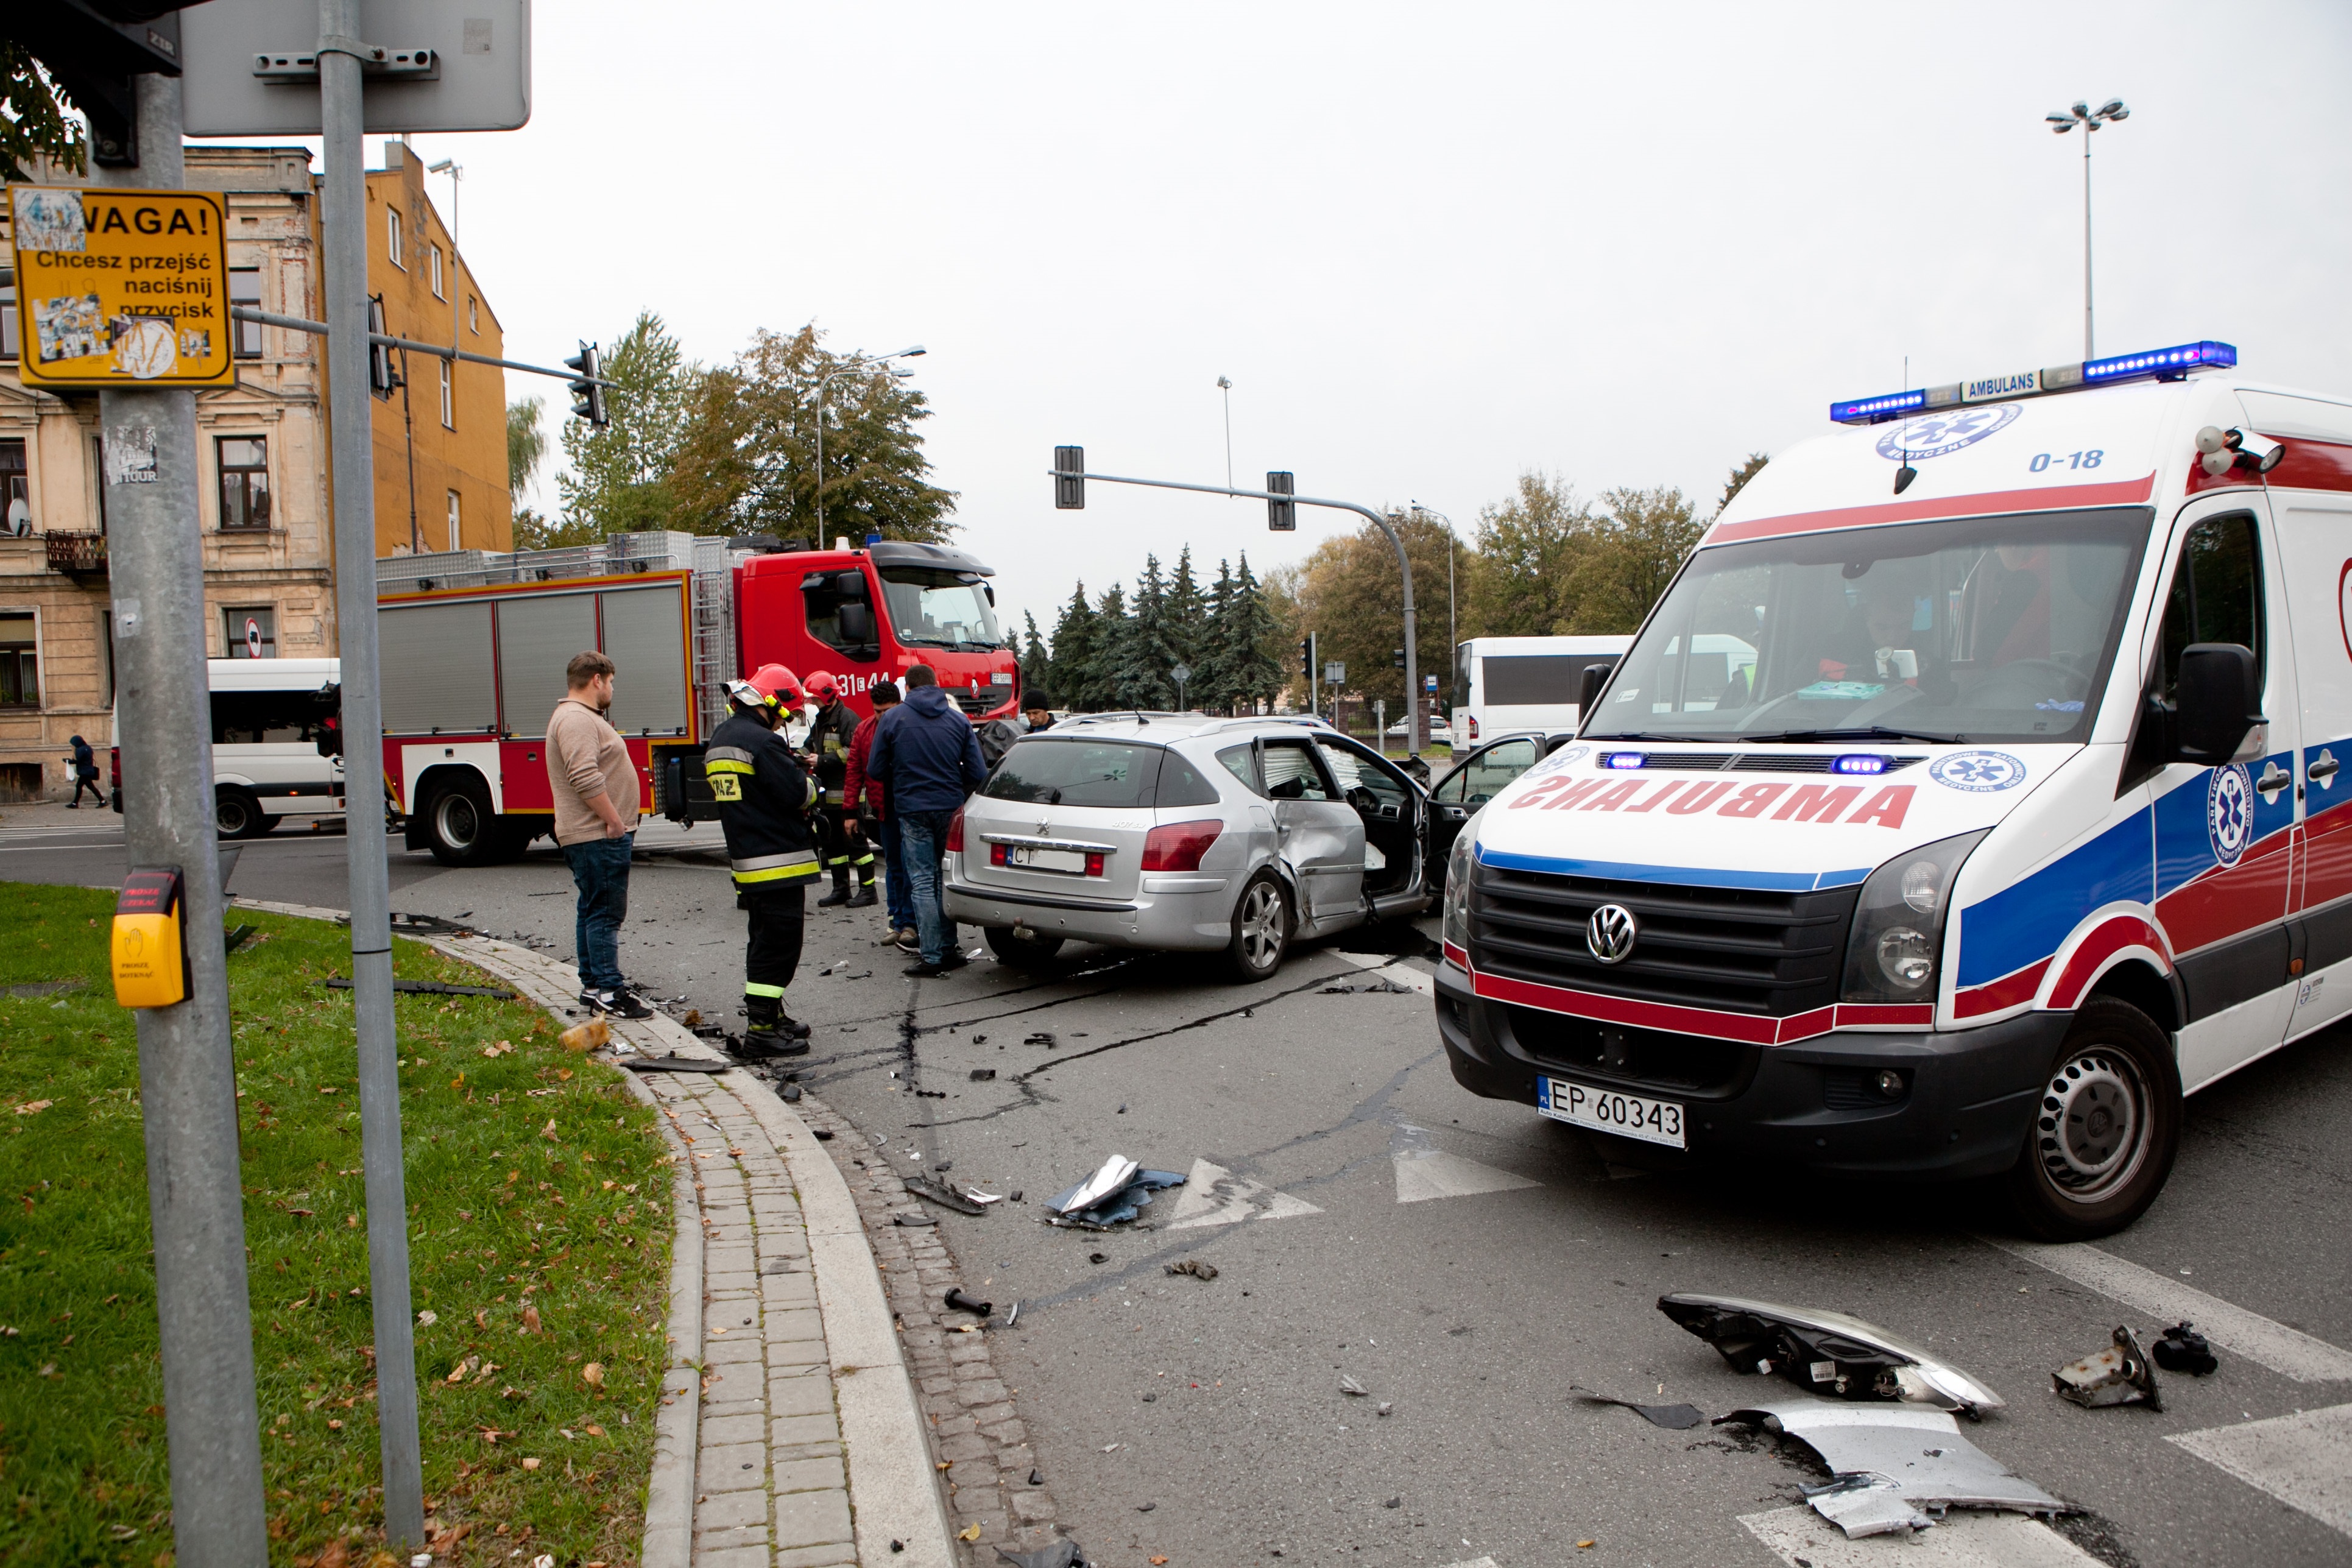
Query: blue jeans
x=898 y=893
x=600 y=870
x=924 y=836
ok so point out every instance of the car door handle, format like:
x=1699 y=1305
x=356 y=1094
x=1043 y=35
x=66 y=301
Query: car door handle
x=2274 y=779
x=2323 y=767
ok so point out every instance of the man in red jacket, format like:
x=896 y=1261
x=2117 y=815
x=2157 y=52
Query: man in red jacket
x=866 y=797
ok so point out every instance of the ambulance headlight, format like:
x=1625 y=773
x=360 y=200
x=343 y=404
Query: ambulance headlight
x=1895 y=950
x=1454 y=926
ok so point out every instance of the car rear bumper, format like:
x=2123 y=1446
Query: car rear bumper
x=1966 y=1105
x=1193 y=918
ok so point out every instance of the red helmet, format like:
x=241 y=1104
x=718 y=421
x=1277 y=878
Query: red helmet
x=769 y=686
x=823 y=687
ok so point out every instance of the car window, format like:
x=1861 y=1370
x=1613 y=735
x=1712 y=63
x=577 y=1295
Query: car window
x=1179 y=785
x=1240 y=762
x=1049 y=772
x=268 y=718
x=1291 y=772
x=1483 y=776
x=1356 y=771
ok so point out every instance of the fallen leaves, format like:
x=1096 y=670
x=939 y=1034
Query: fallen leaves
x=548 y=1132
x=531 y=1320
x=497 y=1049
x=531 y=1463
x=969 y=1532
x=592 y=1375
x=34 y=1107
x=428 y=1318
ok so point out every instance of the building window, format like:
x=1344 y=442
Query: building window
x=432 y=257
x=7 y=313
x=449 y=400
x=473 y=317
x=454 y=543
x=250 y=631
x=245 y=289
x=243 y=481
x=392 y=233
x=16 y=490
x=98 y=478
x=20 y=661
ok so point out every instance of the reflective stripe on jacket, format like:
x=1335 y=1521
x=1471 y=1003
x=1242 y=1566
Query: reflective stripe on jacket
x=763 y=799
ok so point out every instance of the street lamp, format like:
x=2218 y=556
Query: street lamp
x=863 y=362
x=1226 y=387
x=2090 y=120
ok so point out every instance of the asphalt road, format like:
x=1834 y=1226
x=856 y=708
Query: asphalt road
x=1205 y=1421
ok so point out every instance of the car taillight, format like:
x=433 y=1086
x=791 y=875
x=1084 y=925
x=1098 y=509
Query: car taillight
x=1094 y=863
x=955 y=832
x=1473 y=726
x=1178 y=845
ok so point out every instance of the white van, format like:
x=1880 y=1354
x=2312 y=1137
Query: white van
x=2022 y=826
x=1523 y=683
x=268 y=717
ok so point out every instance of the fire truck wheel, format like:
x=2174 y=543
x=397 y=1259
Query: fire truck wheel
x=459 y=827
x=237 y=813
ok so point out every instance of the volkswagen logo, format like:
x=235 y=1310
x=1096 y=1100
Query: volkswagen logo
x=1610 y=933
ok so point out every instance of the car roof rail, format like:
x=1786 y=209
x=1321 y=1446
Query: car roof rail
x=1297 y=720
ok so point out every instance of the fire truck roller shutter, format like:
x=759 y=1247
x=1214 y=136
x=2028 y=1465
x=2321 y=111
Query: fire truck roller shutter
x=645 y=636
x=537 y=637
x=437 y=660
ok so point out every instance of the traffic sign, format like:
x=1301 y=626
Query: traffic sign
x=1334 y=673
x=250 y=66
x=121 y=288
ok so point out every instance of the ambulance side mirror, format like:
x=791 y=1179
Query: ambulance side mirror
x=1588 y=691
x=2219 y=701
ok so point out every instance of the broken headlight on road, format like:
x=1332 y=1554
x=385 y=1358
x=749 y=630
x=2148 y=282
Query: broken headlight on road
x=1896 y=945
x=1826 y=1352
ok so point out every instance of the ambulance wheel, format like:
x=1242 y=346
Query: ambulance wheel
x=459 y=827
x=1262 y=925
x=237 y=814
x=1021 y=947
x=2104 y=1130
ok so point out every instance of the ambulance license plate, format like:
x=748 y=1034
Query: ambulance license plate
x=1606 y=1110
x=1034 y=859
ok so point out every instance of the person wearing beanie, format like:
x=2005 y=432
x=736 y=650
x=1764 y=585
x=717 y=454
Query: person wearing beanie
x=868 y=800
x=926 y=751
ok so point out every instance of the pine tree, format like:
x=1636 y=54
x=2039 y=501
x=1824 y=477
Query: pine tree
x=1077 y=642
x=1213 y=678
x=1256 y=671
x=1036 y=664
x=1188 y=623
x=1146 y=653
x=1113 y=628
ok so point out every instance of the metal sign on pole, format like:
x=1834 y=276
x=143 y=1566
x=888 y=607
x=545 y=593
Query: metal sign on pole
x=254 y=69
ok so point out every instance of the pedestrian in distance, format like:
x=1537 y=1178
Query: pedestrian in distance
x=869 y=798
x=846 y=849
x=928 y=753
x=84 y=763
x=764 y=801
x=596 y=804
x=1036 y=710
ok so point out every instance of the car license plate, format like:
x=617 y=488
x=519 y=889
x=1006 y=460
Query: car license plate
x=1606 y=1110
x=1034 y=859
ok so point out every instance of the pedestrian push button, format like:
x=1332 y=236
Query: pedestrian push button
x=151 y=964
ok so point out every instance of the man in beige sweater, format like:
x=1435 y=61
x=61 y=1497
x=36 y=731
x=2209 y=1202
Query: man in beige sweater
x=596 y=800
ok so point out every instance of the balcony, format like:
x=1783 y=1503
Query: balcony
x=78 y=555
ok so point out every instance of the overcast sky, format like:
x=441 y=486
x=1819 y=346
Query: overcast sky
x=1431 y=247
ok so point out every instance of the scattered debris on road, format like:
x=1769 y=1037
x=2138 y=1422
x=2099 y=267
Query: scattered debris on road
x=1380 y=984
x=945 y=1196
x=594 y=1035
x=428 y=988
x=2181 y=1348
x=1195 y=1268
x=1061 y=1553
x=1118 y=1190
x=1351 y=1388
x=673 y=1063
x=957 y=1301
x=913 y=1219
x=2119 y=1375
x=982 y=1074
x=1040 y=1038
x=1892 y=1463
x=1827 y=1353
x=1672 y=1418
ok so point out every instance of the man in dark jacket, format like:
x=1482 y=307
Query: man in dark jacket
x=868 y=799
x=830 y=736
x=763 y=802
x=926 y=752
x=85 y=773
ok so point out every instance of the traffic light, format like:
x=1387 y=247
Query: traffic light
x=588 y=391
x=1281 y=516
x=1069 y=478
x=384 y=376
x=1398 y=658
x=1307 y=656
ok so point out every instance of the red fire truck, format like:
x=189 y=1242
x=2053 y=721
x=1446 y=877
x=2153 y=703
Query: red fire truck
x=473 y=645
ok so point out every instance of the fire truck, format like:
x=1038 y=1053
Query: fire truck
x=473 y=647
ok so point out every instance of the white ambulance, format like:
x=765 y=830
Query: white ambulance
x=2028 y=819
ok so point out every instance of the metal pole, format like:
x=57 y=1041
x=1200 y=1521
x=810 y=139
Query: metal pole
x=822 y=382
x=408 y=428
x=2088 y=350
x=345 y=233
x=187 y=1065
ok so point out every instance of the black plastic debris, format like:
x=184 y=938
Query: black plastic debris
x=912 y=1220
x=1195 y=1268
x=1672 y=1418
x=1061 y=1553
x=945 y=1196
x=1117 y=1192
x=2119 y=1375
x=979 y=1039
x=823 y=1135
x=1826 y=1352
x=2181 y=1348
x=930 y=1094
x=430 y=988
x=1098 y=1258
x=957 y=1301
x=1040 y=1038
x=1393 y=1502
x=673 y=1063
x=789 y=1094
x=982 y=1075
x=237 y=936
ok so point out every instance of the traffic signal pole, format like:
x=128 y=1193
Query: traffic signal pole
x=1418 y=733
x=187 y=1063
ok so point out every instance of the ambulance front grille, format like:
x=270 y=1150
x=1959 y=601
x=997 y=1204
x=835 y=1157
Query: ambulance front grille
x=1732 y=948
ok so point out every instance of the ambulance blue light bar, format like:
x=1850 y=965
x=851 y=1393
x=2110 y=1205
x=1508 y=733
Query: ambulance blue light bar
x=2152 y=364
x=1859 y=762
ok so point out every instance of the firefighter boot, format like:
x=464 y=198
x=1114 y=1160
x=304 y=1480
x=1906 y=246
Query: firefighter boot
x=764 y=1034
x=865 y=898
x=840 y=894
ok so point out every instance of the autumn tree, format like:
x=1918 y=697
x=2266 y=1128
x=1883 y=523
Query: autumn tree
x=618 y=480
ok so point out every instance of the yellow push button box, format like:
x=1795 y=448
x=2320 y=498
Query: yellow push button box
x=151 y=968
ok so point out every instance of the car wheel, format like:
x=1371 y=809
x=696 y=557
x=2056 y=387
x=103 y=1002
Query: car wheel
x=2104 y=1130
x=1021 y=947
x=459 y=827
x=237 y=814
x=1261 y=929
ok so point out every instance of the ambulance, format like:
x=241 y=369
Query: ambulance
x=2027 y=820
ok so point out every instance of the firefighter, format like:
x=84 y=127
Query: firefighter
x=846 y=849
x=764 y=800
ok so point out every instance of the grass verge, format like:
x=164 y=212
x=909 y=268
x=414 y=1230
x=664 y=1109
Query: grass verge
x=538 y=1232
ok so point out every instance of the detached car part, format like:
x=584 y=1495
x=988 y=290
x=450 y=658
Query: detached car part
x=2119 y=1375
x=1827 y=1353
x=1895 y=1469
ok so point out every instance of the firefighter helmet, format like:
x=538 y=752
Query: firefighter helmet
x=769 y=686
x=822 y=687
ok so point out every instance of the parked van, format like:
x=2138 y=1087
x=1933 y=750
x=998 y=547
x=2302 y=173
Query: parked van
x=268 y=717
x=1503 y=684
x=2022 y=826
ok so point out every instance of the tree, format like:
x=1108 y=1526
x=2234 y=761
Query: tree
x=1146 y=652
x=1630 y=558
x=1740 y=474
x=1352 y=597
x=526 y=452
x=618 y=480
x=38 y=119
x=1076 y=638
x=1188 y=620
x=1253 y=667
x=1213 y=668
x=1037 y=664
x=1526 y=548
x=1113 y=626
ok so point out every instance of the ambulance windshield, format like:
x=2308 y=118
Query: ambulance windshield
x=1975 y=630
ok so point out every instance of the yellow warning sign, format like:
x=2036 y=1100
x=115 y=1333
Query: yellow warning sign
x=118 y=288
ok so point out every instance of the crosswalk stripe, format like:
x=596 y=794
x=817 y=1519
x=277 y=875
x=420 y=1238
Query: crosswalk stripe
x=1214 y=1195
x=2304 y=1460
x=2288 y=1351
x=1965 y=1538
x=1423 y=1174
